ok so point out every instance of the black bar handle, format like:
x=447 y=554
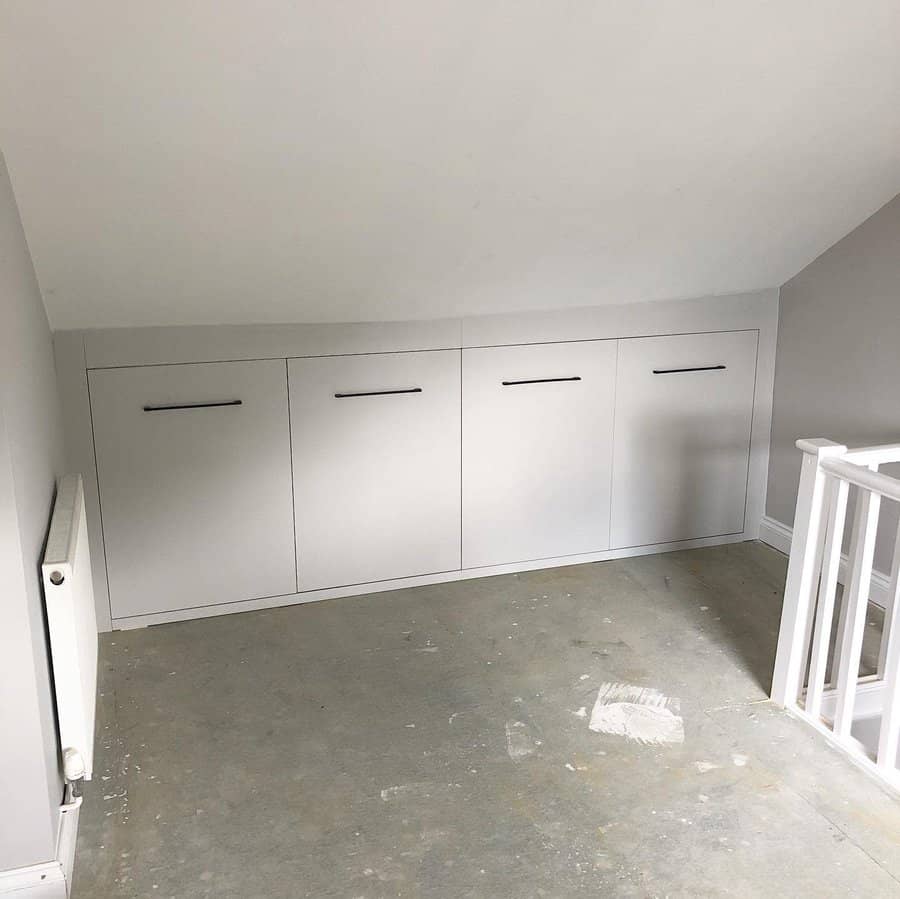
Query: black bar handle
x=176 y=406
x=539 y=381
x=346 y=396
x=678 y=371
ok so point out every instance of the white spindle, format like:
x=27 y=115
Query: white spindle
x=802 y=571
x=889 y=737
x=816 y=581
x=827 y=589
x=890 y=613
x=886 y=630
x=856 y=597
x=841 y=625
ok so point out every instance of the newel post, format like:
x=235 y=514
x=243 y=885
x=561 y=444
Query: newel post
x=802 y=576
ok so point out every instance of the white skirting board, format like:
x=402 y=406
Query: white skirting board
x=779 y=536
x=49 y=880
x=443 y=577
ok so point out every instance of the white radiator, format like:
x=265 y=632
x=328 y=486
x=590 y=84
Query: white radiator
x=69 y=593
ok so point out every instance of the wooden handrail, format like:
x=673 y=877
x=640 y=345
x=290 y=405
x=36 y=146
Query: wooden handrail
x=874 y=455
x=882 y=484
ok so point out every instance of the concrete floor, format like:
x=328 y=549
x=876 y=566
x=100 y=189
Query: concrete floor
x=427 y=743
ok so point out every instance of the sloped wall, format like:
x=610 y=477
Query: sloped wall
x=837 y=371
x=31 y=457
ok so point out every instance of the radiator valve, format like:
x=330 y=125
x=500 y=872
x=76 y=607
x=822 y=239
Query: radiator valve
x=73 y=770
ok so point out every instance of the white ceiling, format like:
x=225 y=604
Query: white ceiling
x=228 y=161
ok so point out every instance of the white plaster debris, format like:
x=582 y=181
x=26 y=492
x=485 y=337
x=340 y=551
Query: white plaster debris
x=404 y=789
x=570 y=767
x=581 y=713
x=584 y=677
x=739 y=759
x=422 y=790
x=642 y=714
x=703 y=767
x=518 y=742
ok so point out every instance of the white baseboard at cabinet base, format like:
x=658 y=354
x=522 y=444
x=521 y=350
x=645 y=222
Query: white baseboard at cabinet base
x=49 y=880
x=290 y=599
x=65 y=843
x=45 y=881
x=779 y=536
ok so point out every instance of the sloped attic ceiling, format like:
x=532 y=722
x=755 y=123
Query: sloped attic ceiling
x=227 y=161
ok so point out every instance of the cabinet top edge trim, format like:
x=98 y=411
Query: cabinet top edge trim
x=624 y=336
x=281 y=357
x=213 y=360
x=153 y=345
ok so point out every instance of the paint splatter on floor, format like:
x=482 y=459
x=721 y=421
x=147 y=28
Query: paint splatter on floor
x=642 y=714
x=519 y=743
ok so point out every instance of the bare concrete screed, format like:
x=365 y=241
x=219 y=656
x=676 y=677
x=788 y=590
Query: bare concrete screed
x=598 y=730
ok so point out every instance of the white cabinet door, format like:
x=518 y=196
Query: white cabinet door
x=376 y=449
x=682 y=436
x=537 y=450
x=195 y=483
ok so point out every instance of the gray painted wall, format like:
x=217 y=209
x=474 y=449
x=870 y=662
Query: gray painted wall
x=837 y=372
x=31 y=457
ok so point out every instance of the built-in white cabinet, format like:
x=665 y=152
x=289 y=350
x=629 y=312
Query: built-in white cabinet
x=537 y=450
x=682 y=436
x=195 y=483
x=229 y=482
x=376 y=451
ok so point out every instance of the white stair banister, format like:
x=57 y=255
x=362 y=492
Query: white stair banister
x=815 y=568
x=802 y=575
